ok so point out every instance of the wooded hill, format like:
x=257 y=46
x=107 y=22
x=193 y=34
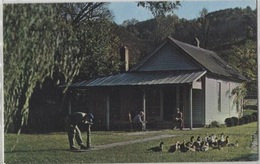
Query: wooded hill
x=231 y=33
x=217 y=31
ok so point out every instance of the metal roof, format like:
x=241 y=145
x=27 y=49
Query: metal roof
x=210 y=60
x=206 y=59
x=142 y=79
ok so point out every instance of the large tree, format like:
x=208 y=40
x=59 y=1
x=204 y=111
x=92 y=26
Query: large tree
x=29 y=46
x=204 y=26
x=244 y=59
x=160 y=10
x=88 y=38
x=48 y=40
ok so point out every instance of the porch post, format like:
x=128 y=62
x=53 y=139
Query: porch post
x=107 y=110
x=144 y=107
x=161 y=104
x=191 y=107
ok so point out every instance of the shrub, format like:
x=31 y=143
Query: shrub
x=255 y=114
x=241 y=121
x=250 y=118
x=246 y=119
x=214 y=124
x=229 y=122
x=235 y=120
x=253 y=117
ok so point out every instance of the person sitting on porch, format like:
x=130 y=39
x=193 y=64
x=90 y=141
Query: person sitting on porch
x=179 y=119
x=138 y=122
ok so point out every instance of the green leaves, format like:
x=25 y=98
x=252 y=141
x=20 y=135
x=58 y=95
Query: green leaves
x=160 y=8
x=244 y=59
x=43 y=40
x=27 y=55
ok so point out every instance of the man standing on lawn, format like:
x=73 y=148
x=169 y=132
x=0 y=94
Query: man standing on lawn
x=75 y=119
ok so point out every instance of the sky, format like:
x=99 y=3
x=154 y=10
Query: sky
x=126 y=10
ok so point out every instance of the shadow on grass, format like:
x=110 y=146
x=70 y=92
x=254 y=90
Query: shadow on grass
x=250 y=157
x=35 y=151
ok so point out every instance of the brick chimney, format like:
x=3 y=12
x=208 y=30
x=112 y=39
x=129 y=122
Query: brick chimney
x=197 y=42
x=124 y=59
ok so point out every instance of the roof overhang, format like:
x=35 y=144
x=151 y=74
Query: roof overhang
x=142 y=79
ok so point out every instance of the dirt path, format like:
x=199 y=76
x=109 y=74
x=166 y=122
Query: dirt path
x=100 y=147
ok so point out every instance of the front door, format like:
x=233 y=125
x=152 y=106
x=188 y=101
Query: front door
x=169 y=103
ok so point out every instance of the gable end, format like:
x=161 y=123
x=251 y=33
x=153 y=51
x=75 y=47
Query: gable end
x=167 y=58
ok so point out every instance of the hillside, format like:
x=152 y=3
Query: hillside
x=217 y=31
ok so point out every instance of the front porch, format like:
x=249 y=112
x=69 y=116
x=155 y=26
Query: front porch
x=158 y=94
x=112 y=105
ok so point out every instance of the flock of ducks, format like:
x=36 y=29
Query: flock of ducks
x=200 y=144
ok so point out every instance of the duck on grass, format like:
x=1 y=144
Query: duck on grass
x=202 y=144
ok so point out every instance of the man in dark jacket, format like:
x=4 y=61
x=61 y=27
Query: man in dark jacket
x=138 y=122
x=75 y=119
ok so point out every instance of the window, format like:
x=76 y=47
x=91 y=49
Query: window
x=219 y=96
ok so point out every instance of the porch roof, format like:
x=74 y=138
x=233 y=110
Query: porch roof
x=141 y=79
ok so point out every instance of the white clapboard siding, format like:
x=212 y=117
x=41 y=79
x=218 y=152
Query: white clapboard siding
x=211 y=99
x=168 y=58
x=197 y=107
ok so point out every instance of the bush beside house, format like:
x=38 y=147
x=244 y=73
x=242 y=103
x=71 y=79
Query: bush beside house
x=234 y=121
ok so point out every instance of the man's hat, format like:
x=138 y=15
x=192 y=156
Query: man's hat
x=90 y=117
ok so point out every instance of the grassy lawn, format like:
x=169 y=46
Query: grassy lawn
x=53 y=148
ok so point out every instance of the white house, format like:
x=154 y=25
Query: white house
x=175 y=75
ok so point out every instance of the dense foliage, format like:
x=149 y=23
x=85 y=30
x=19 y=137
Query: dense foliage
x=28 y=52
x=234 y=121
x=57 y=41
x=160 y=8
